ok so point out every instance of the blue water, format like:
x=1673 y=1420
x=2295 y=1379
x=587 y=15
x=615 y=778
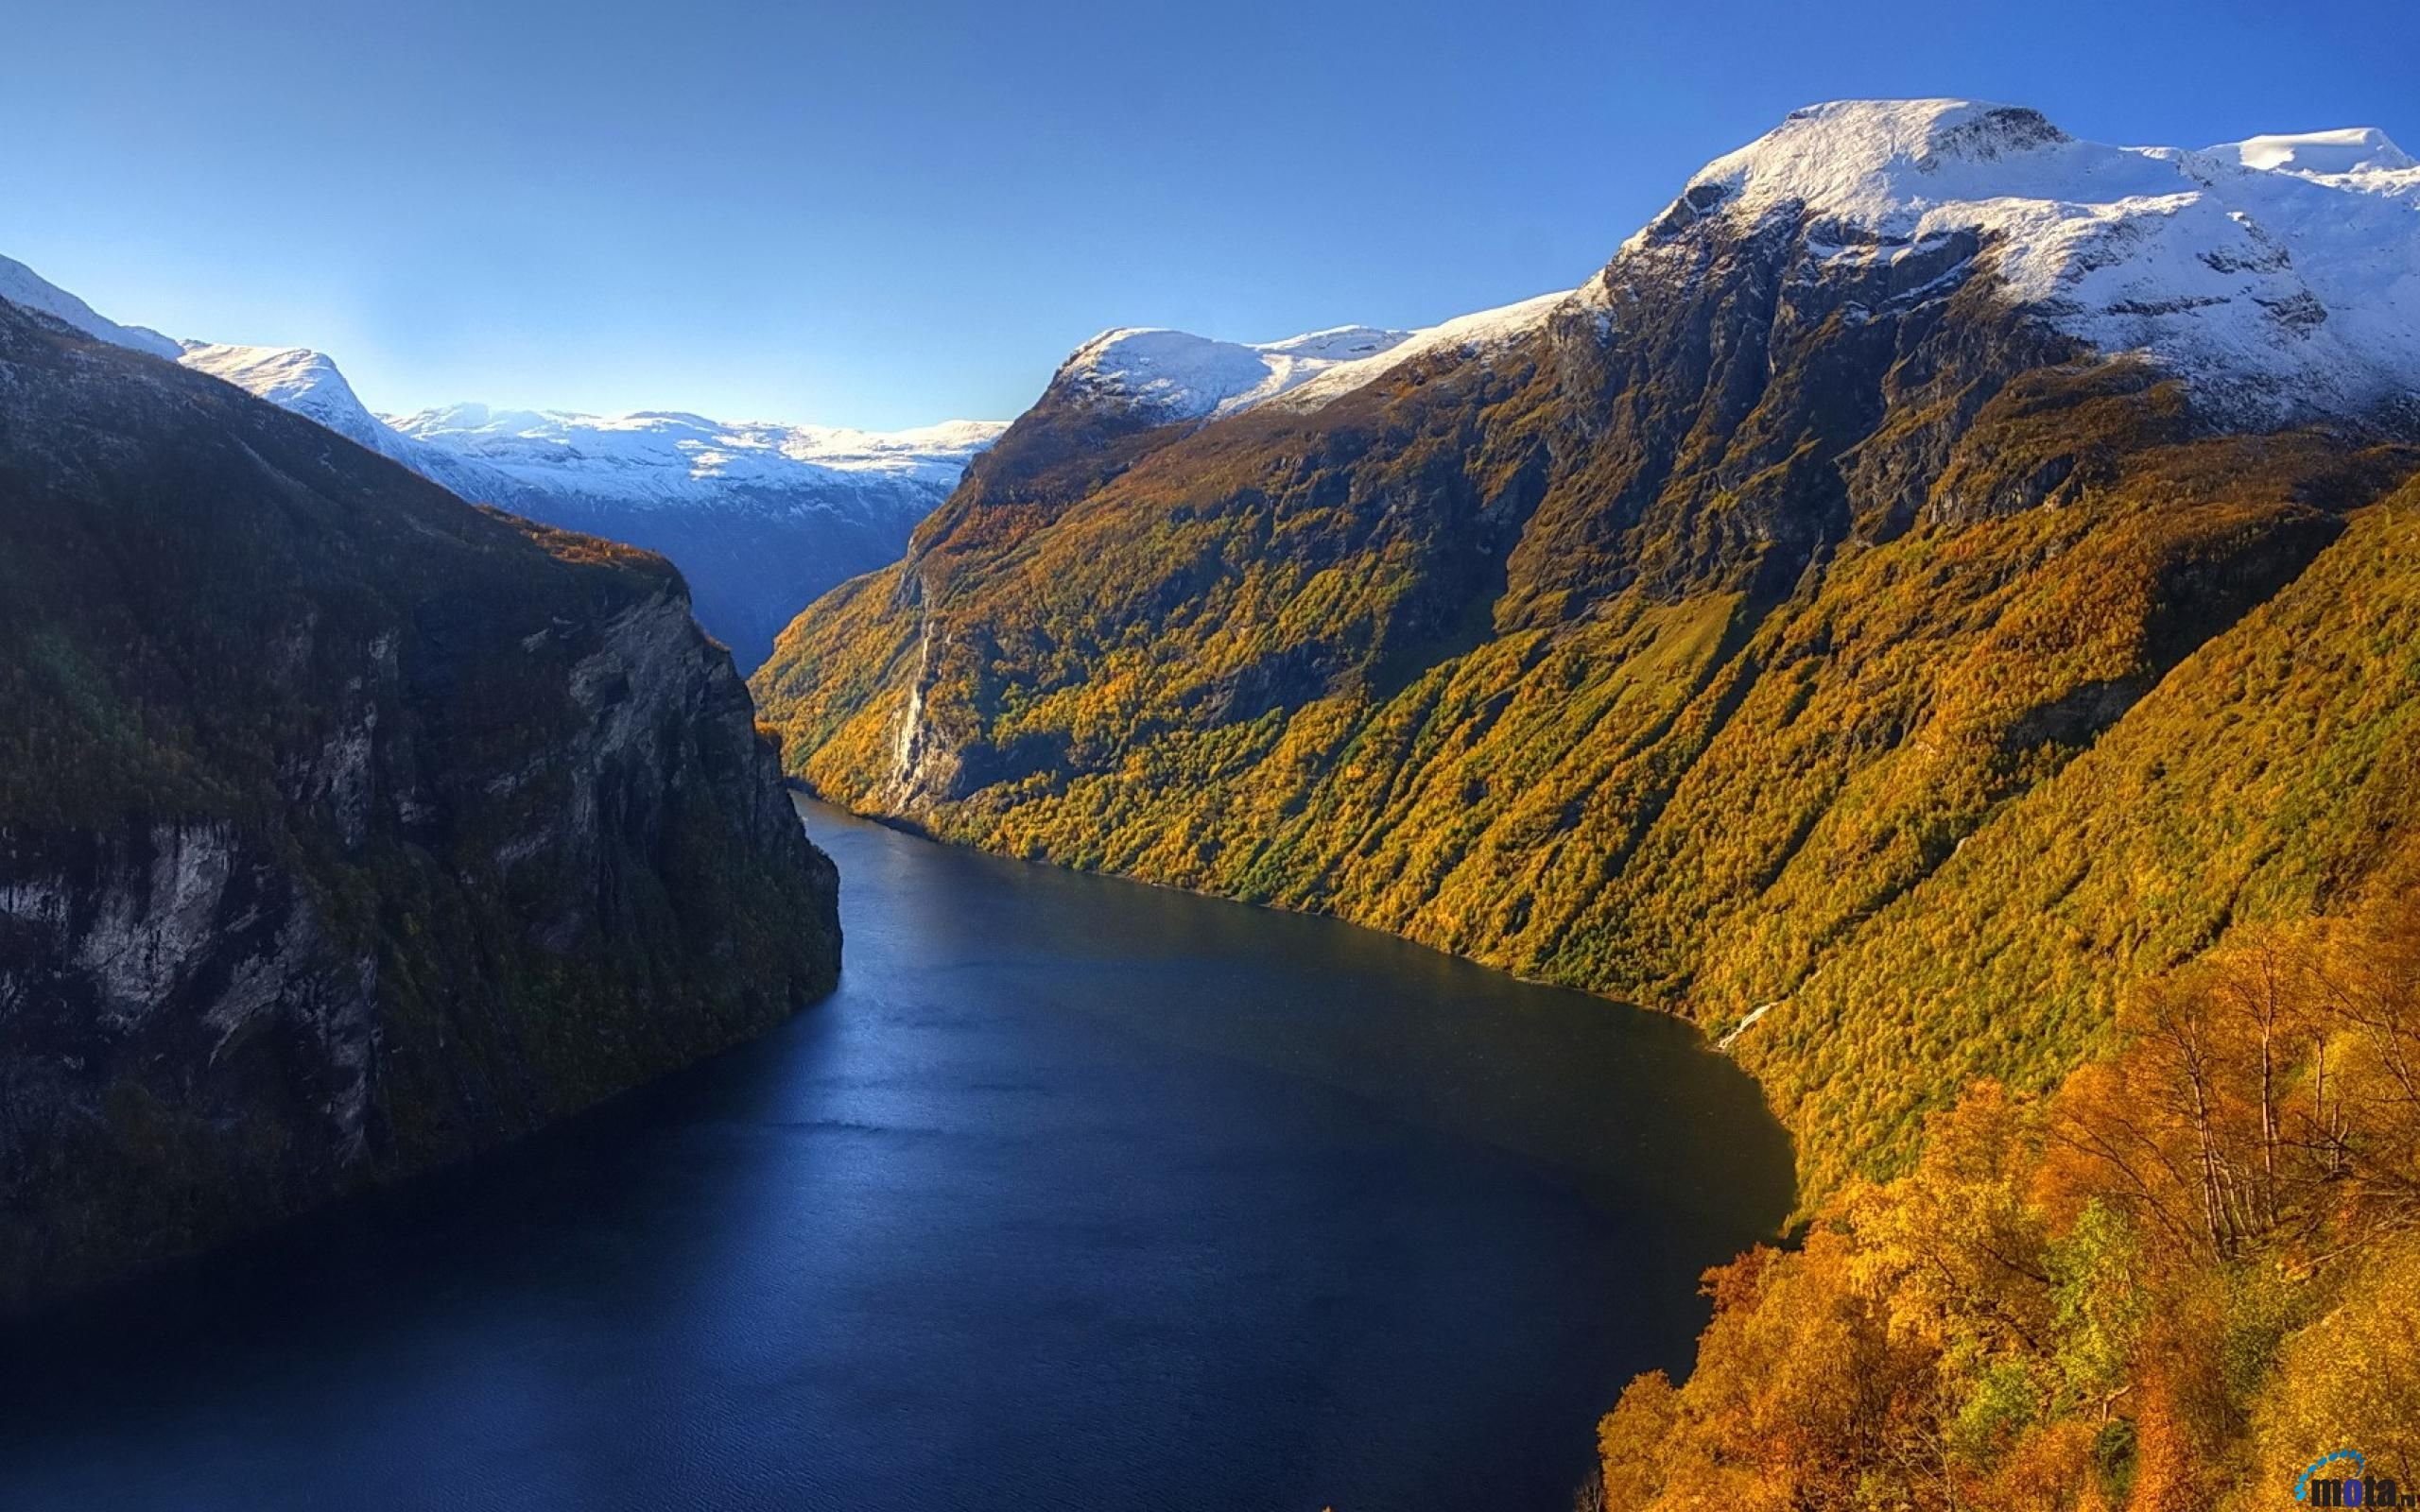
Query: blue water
x=1076 y=1194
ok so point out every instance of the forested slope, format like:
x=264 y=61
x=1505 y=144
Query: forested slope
x=1726 y=635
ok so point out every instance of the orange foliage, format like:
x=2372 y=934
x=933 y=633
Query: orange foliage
x=2081 y=1302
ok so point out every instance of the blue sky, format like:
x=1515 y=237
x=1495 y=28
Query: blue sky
x=896 y=212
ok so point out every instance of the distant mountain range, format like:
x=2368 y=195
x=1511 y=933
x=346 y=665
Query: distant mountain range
x=760 y=518
x=1908 y=593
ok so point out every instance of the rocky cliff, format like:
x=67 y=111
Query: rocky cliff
x=345 y=828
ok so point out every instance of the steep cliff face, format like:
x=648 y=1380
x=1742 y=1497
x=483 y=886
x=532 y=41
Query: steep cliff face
x=1671 y=637
x=344 y=827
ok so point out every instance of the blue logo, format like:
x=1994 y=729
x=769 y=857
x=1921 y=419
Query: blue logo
x=2350 y=1486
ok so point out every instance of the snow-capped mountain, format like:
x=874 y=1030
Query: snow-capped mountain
x=297 y=379
x=2279 y=275
x=761 y=518
x=1174 y=375
x=1184 y=376
x=659 y=459
x=21 y=285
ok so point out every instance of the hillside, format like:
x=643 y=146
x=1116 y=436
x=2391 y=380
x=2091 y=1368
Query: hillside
x=760 y=518
x=344 y=827
x=2134 y=1292
x=1928 y=525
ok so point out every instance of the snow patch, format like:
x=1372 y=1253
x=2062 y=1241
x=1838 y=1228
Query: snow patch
x=1179 y=376
x=2279 y=275
x=293 y=378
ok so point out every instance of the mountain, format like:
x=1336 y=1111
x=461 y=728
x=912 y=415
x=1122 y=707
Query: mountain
x=22 y=286
x=1938 y=572
x=2274 y=274
x=344 y=827
x=300 y=380
x=760 y=518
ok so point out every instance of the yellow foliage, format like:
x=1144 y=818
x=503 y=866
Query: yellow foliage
x=2190 y=1272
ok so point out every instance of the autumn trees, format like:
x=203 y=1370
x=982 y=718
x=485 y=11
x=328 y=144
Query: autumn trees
x=2188 y=1272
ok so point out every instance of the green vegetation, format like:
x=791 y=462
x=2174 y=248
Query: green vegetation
x=1899 y=697
x=1322 y=663
x=2269 y=775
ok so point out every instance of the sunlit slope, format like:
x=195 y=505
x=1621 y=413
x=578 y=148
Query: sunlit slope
x=2275 y=772
x=1694 y=637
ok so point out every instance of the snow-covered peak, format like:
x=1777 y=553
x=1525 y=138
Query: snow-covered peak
x=644 y=460
x=936 y=453
x=20 y=284
x=2324 y=154
x=2280 y=276
x=664 y=456
x=462 y=416
x=1472 y=335
x=295 y=378
x=1882 y=161
x=1177 y=376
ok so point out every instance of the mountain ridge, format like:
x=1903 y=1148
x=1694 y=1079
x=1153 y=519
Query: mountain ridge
x=2203 y=264
x=1886 y=171
x=21 y=285
x=1672 y=645
x=762 y=517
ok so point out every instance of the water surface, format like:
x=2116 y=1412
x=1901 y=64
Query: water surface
x=1078 y=1193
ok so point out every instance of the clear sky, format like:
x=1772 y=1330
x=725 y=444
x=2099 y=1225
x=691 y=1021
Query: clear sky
x=905 y=209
